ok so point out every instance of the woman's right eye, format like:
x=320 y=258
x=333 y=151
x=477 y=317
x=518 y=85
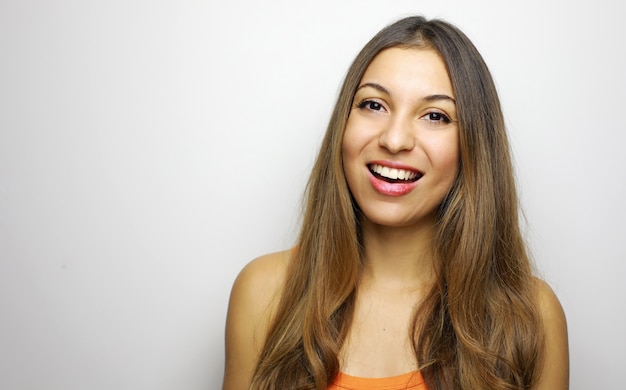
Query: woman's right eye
x=371 y=105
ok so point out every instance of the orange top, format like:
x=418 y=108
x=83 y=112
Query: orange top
x=410 y=380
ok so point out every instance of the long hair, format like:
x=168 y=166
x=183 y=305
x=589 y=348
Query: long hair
x=478 y=327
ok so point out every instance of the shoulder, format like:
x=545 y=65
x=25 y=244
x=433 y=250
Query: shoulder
x=253 y=301
x=549 y=304
x=550 y=309
x=260 y=281
x=555 y=368
x=256 y=292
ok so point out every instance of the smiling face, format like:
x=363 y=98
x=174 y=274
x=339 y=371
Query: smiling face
x=401 y=143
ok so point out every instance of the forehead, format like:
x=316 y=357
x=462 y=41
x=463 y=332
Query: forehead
x=409 y=69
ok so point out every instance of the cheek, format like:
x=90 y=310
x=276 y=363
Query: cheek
x=452 y=158
x=347 y=154
x=360 y=131
x=349 y=159
x=445 y=156
x=351 y=148
x=350 y=145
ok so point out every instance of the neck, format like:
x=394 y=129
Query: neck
x=398 y=256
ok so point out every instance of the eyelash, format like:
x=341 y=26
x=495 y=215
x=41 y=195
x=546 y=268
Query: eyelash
x=367 y=104
x=432 y=117
x=440 y=117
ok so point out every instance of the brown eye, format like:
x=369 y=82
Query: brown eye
x=371 y=105
x=437 y=117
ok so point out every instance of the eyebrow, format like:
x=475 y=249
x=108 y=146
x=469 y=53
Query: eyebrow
x=375 y=86
x=429 y=98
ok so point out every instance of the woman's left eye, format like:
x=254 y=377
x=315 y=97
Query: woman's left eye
x=437 y=117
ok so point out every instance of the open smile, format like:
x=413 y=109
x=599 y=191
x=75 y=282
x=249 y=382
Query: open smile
x=393 y=180
x=394 y=175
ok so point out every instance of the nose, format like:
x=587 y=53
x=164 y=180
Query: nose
x=398 y=135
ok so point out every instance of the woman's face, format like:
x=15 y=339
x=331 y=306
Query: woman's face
x=401 y=142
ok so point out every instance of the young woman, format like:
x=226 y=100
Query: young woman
x=410 y=270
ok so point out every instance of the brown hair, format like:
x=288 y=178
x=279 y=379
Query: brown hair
x=478 y=327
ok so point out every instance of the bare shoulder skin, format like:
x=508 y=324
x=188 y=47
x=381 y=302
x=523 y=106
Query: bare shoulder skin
x=253 y=302
x=555 y=370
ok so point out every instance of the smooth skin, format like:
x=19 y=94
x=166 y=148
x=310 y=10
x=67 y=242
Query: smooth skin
x=403 y=115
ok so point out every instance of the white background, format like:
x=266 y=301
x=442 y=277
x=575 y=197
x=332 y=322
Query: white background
x=149 y=149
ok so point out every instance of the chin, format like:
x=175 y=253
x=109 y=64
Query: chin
x=399 y=221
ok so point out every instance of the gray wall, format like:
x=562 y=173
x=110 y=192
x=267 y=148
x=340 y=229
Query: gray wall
x=149 y=149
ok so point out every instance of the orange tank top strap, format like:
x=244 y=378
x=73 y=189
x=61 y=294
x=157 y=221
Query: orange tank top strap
x=410 y=380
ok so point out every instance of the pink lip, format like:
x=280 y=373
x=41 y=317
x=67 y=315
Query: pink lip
x=392 y=189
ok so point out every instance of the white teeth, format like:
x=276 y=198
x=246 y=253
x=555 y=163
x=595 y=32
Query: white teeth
x=393 y=173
